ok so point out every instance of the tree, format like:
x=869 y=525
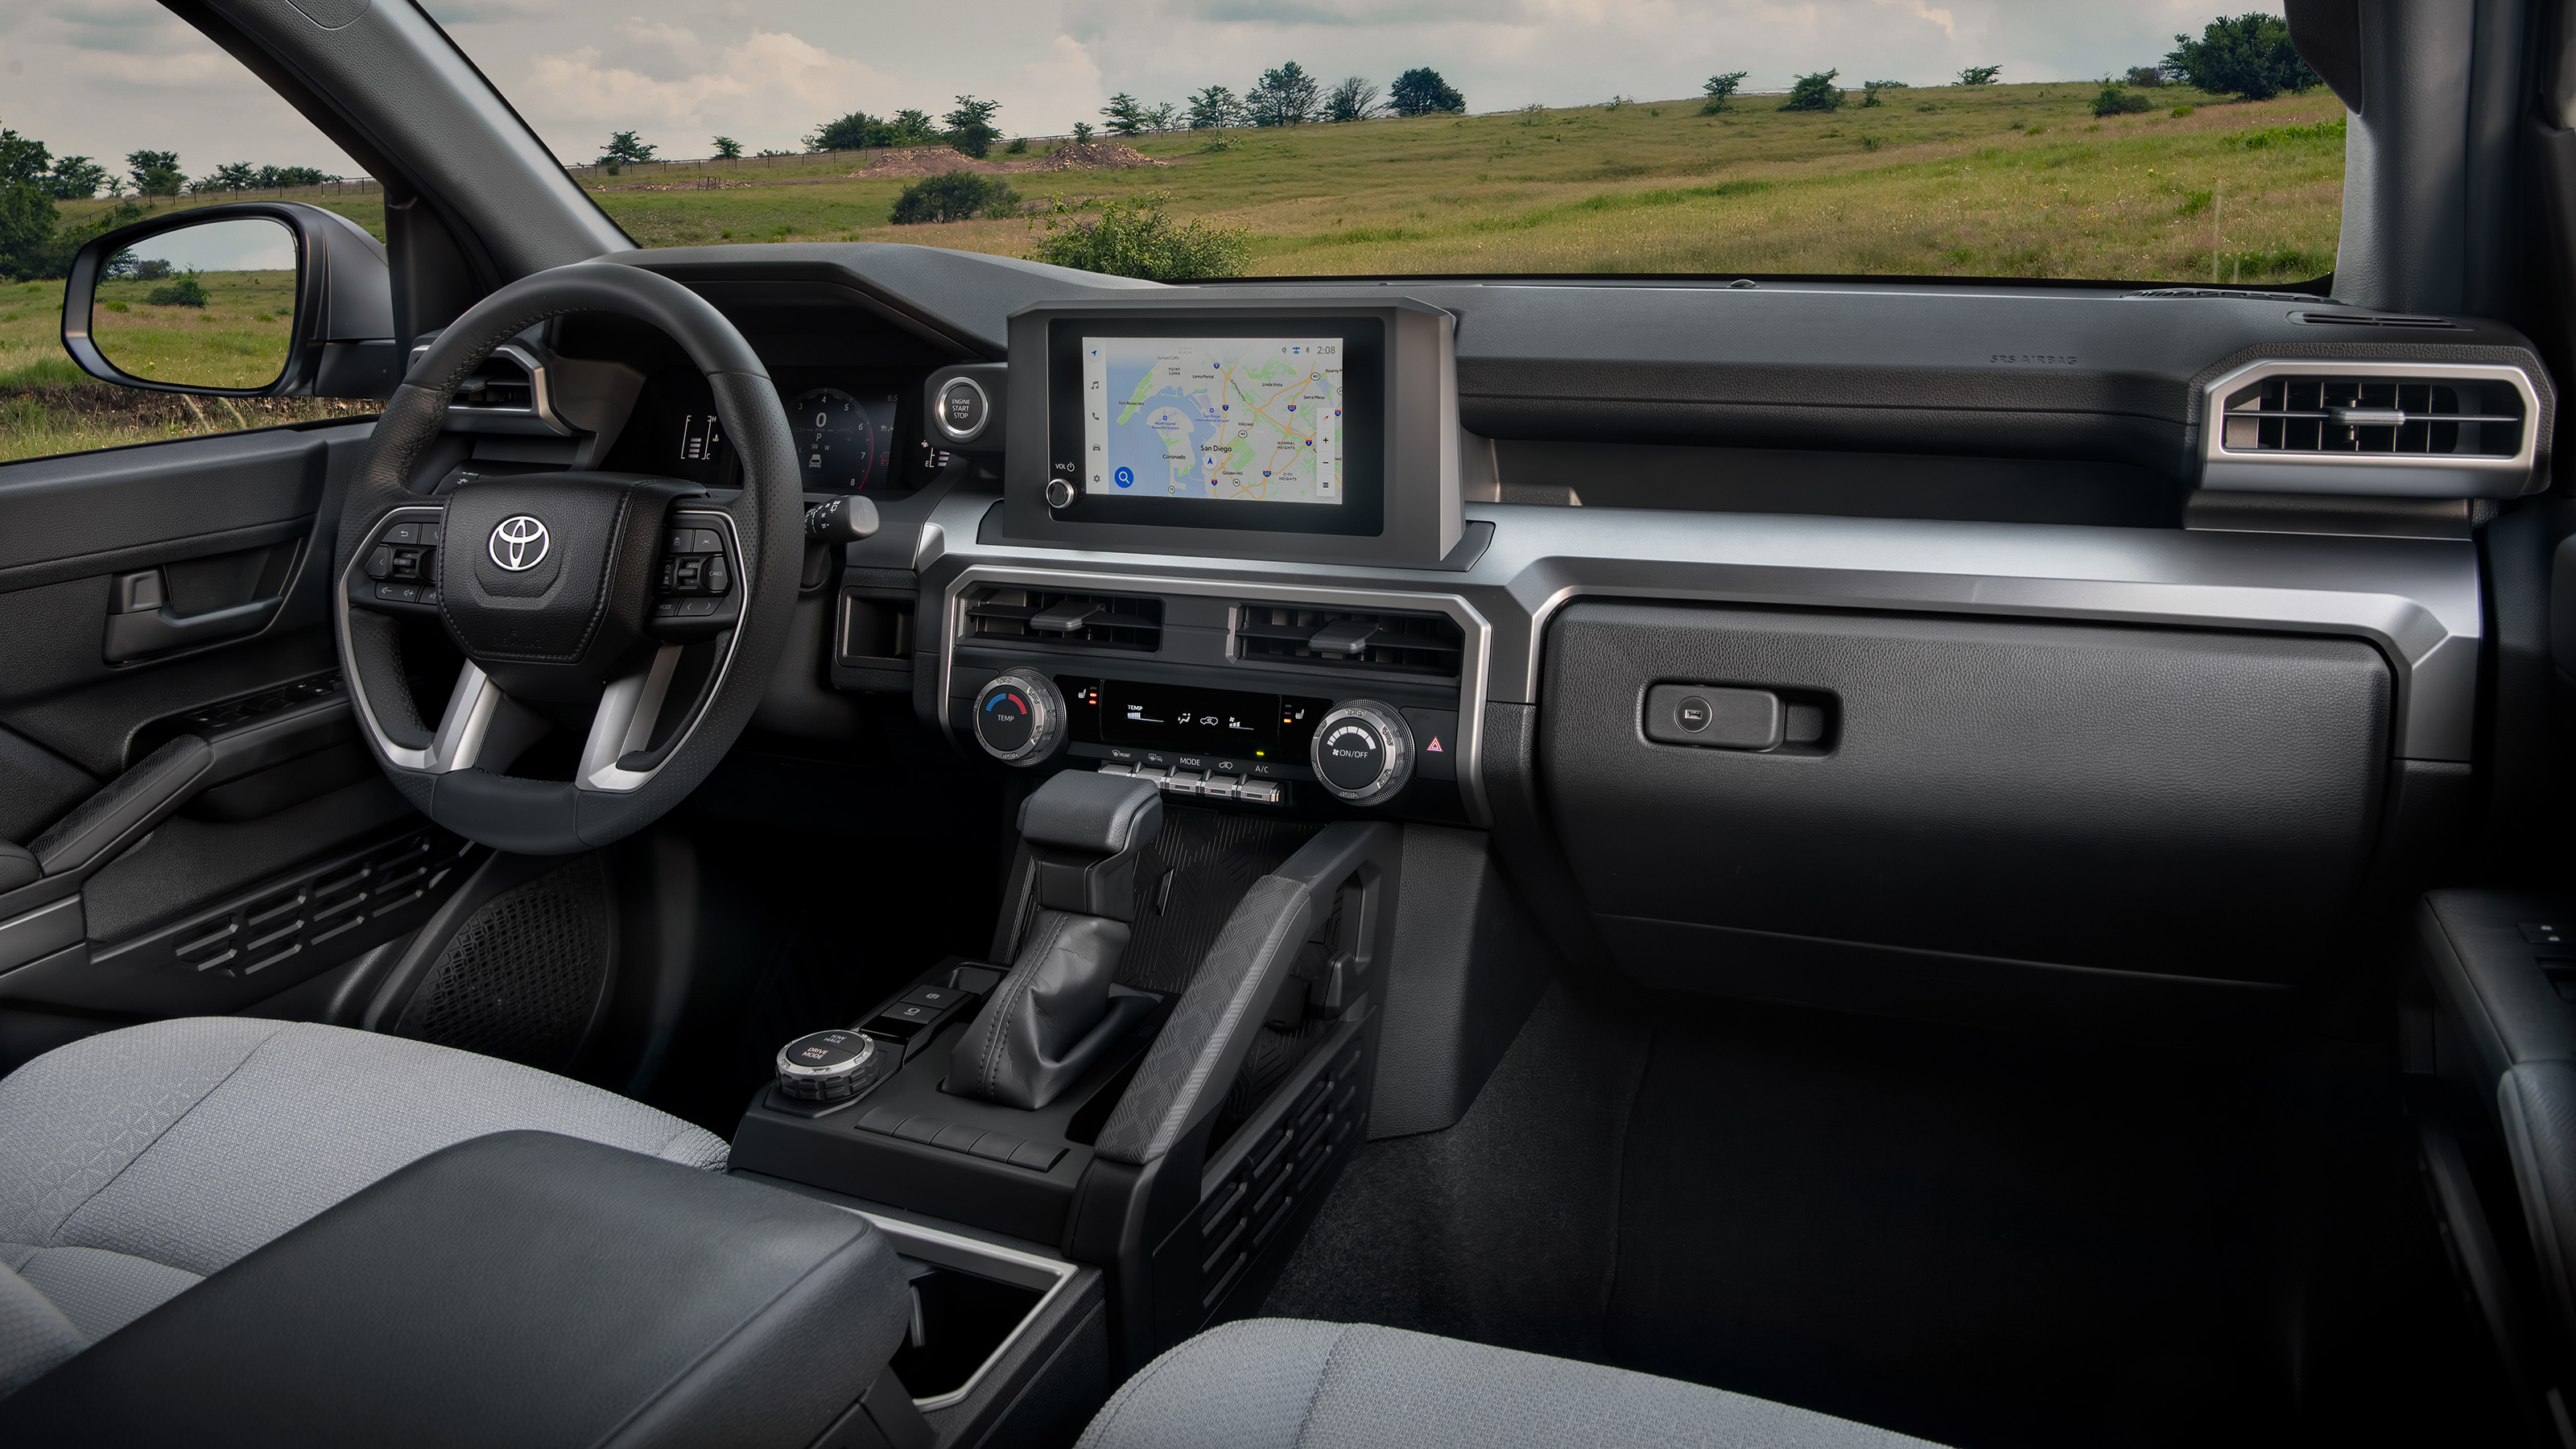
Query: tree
x=2249 y=56
x=1135 y=238
x=1082 y=133
x=76 y=178
x=1284 y=97
x=1164 y=117
x=27 y=216
x=272 y=177
x=970 y=126
x=234 y=176
x=2146 y=76
x=1127 y=115
x=155 y=173
x=625 y=148
x=1869 y=90
x=727 y=148
x=952 y=196
x=856 y=131
x=1215 y=108
x=1721 y=91
x=1420 y=91
x=1814 y=93
x=1355 y=99
x=1984 y=75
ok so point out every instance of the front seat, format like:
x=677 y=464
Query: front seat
x=1276 y=1383
x=136 y=1162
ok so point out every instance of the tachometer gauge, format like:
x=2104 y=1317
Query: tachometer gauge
x=835 y=442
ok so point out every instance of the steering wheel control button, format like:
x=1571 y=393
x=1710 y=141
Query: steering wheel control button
x=830 y=1066
x=1715 y=717
x=1019 y=717
x=963 y=410
x=1363 y=751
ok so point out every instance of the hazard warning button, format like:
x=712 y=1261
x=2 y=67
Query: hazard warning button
x=1435 y=734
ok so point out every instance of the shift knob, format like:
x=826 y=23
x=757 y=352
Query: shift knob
x=830 y=1066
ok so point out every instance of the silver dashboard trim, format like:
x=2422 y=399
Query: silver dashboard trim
x=1473 y=672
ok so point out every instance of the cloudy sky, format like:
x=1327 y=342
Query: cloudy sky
x=105 y=77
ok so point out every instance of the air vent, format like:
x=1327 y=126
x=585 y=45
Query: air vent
x=502 y=384
x=2370 y=319
x=1428 y=644
x=1048 y=616
x=2429 y=430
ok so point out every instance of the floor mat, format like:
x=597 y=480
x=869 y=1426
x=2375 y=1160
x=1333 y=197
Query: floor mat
x=1966 y=1236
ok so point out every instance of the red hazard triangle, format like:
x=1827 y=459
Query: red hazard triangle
x=1433 y=748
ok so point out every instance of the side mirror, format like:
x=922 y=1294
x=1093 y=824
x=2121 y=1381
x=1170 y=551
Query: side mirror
x=256 y=298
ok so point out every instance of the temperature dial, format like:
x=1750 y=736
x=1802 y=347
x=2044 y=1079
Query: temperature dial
x=1363 y=751
x=1019 y=717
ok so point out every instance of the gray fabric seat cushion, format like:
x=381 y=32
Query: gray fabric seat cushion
x=135 y=1162
x=1277 y=1383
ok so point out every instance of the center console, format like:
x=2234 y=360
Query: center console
x=1177 y=636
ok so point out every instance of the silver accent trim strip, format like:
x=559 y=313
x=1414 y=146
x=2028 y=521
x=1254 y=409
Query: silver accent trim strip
x=2401 y=475
x=1472 y=671
x=990 y=1260
x=541 y=408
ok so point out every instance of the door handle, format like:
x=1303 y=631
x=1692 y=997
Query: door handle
x=144 y=624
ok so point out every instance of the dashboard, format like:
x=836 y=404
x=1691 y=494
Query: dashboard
x=1750 y=650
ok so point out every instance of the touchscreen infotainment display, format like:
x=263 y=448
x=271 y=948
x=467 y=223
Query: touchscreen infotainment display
x=1252 y=423
x=1238 y=419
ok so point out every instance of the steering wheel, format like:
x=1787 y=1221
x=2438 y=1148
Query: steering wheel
x=645 y=613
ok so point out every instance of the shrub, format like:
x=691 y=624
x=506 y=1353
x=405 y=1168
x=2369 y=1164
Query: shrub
x=2117 y=99
x=2181 y=111
x=1721 y=90
x=1870 y=89
x=952 y=196
x=1814 y=93
x=1019 y=146
x=1980 y=75
x=2146 y=77
x=116 y=306
x=185 y=292
x=1133 y=237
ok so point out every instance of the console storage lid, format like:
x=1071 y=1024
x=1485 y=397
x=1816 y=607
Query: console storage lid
x=521 y=1288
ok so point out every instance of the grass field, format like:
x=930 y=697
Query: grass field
x=1942 y=181
x=1997 y=181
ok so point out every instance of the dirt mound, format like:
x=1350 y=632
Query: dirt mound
x=926 y=161
x=1084 y=155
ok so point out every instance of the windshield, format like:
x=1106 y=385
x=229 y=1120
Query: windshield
x=2155 y=142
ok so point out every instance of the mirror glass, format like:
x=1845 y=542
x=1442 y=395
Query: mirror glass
x=210 y=305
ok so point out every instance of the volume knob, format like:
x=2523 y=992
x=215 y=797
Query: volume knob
x=1363 y=751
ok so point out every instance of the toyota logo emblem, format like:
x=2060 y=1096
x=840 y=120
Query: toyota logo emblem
x=519 y=544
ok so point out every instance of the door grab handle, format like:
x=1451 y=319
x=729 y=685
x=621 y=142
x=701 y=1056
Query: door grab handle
x=158 y=631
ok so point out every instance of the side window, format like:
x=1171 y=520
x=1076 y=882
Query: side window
x=211 y=306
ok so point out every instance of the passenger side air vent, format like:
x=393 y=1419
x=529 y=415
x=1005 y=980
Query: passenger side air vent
x=2431 y=430
x=1048 y=616
x=1429 y=644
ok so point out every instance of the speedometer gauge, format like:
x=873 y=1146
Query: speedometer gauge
x=835 y=442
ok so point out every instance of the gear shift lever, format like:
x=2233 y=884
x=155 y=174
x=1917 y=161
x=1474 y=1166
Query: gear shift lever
x=1045 y=1021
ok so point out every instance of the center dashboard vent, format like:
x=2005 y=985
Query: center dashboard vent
x=2437 y=430
x=1389 y=642
x=1049 y=616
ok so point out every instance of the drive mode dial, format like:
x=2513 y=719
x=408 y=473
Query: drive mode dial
x=1363 y=751
x=1019 y=717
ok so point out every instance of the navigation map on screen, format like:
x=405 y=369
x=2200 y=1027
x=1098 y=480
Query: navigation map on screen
x=1246 y=418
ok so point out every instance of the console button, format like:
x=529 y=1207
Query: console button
x=937 y=998
x=962 y=410
x=1221 y=787
x=1039 y=1155
x=1435 y=737
x=1259 y=792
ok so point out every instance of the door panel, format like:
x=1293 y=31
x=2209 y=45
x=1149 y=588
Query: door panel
x=153 y=594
